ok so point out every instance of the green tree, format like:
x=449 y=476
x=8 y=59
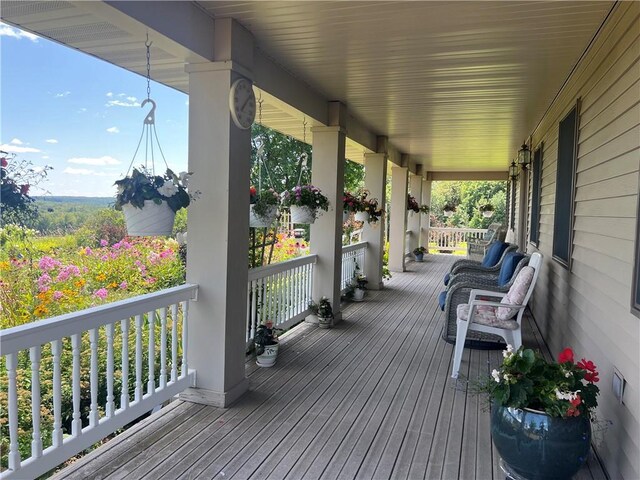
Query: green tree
x=467 y=196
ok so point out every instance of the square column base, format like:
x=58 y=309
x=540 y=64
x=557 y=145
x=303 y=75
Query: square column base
x=215 y=399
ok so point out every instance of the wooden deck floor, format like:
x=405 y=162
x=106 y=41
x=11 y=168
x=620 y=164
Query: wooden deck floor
x=371 y=398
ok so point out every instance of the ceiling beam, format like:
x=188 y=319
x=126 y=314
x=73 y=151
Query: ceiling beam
x=453 y=176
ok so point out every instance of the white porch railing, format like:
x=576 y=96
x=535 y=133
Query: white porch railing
x=143 y=338
x=352 y=256
x=453 y=240
x=280 y=292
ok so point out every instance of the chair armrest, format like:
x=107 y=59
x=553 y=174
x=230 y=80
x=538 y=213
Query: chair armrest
x=487 y=293
x=477 y=280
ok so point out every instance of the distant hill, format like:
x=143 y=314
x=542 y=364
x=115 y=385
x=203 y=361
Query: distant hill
x=88 y=201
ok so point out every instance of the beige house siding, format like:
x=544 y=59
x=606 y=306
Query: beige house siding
x=588 y=307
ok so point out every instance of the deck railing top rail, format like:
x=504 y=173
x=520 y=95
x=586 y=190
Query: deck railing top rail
x=279 y=267
x=25 y=336
x=354 y=247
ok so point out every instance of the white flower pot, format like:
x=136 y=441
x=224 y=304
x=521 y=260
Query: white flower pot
x=448 y=213
x=302 y=214
x=325 y=322
x=262 y=221
x=487 y=214
x=362 y=217
x=151 y=220
x=268 y=358
x=358 y=295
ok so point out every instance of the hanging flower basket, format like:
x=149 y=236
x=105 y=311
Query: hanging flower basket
x=487 y=214
x=345 y=216
x=151 y=220
x=260 y=221
x=304 y=215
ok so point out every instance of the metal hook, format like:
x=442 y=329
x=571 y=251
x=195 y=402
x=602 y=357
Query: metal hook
x=150 y=119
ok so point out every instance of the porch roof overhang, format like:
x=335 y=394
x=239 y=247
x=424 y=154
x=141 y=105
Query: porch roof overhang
x=454 y=86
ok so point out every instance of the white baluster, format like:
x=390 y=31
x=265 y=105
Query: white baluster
x=138 y=388
x=163 y=347
x=185 y=327
x=254 y=309
x=76 y=422
x=93 y=412
x=14 y=452
x=56 y=348
x=124 y=392
x=151 y=384
x=174 y=342
x=261 y=301
x=109 y=329
x=36 y=440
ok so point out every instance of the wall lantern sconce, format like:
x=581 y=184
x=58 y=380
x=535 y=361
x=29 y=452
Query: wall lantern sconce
x=513 y=171
x=524 y=156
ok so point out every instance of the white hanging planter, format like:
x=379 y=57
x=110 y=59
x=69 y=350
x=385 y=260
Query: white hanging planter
x=345 y=216
x=151 y=220
x=448 y=213
x=487 y=213
x=268 y=358
x=302 y=214
x=258 y=221
x=362 y=217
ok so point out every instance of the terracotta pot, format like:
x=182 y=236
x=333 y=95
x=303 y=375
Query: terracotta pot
x=151 y=220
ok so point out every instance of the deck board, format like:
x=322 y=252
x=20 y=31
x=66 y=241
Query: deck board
x=371 y=398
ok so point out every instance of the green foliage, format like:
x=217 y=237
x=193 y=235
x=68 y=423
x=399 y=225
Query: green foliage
x=106 y=224
x=180 y=222
x=60 y=215
x=305 y=196
x=322 y=308
x=560 y=389
x=467 y=197
x=265 y=335
x=143 y=185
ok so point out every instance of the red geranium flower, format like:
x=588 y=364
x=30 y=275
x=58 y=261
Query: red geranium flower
x=586 y=365
x=4 y=161
x=591 y=377
x=566 y=356
x=576 y=401
x=24 y=189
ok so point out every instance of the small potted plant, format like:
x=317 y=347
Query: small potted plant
x=412 y=204
x=418 y=253
x=425 y=209
x=486 y=210
x=359 y=287
x=150 y=201
x=305 y=202
x=266 y=344
x=448 y=209
x=528 y=392
x=263 y=207
x=323 y=311
x=373 y=211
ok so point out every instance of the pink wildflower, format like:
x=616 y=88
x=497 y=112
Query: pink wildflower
x=68 y=271
x=57 y=295
x=88 y=251
x=103 y=243
x=101 y=293
x=43 y=282
x=47 y=263
x=124 y=285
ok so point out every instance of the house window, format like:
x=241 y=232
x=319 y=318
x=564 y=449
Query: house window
x=565 y=182
x=635 y=300
x=535 y=196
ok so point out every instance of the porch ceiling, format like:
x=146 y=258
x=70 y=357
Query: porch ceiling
x=456 y=85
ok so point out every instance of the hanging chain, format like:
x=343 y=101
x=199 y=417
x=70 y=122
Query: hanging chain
x=260 y=107
x=304 y=130
x=148 y=45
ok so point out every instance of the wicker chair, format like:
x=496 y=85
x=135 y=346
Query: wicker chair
x=458 y=292
x=475 y=266
x=476 y=249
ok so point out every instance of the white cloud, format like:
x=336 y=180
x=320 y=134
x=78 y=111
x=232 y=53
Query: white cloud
x=16 y=141
x=62 y=94
x=84 y=171
x=120 y=103
x=82 y=110
x=5 y=147
x=102 y=161
x=51 y=140
x=7 y=31
x=45 y=157
x=113 y=130
x=132 y=99
x=109 y=94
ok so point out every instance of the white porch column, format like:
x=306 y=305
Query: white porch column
x=413 y=219
x=398 y=227
x=426 y=200
x=218 y=225
x=375 y=176
x=326 y=233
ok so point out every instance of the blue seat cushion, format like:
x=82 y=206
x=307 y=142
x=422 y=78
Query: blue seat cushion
x=442 y=299
x=494 y=252
x=446 y=278
x=509 y=265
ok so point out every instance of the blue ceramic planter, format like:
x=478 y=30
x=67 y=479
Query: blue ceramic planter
x=536 y=446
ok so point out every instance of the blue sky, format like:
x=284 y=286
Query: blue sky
x=81 y=115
